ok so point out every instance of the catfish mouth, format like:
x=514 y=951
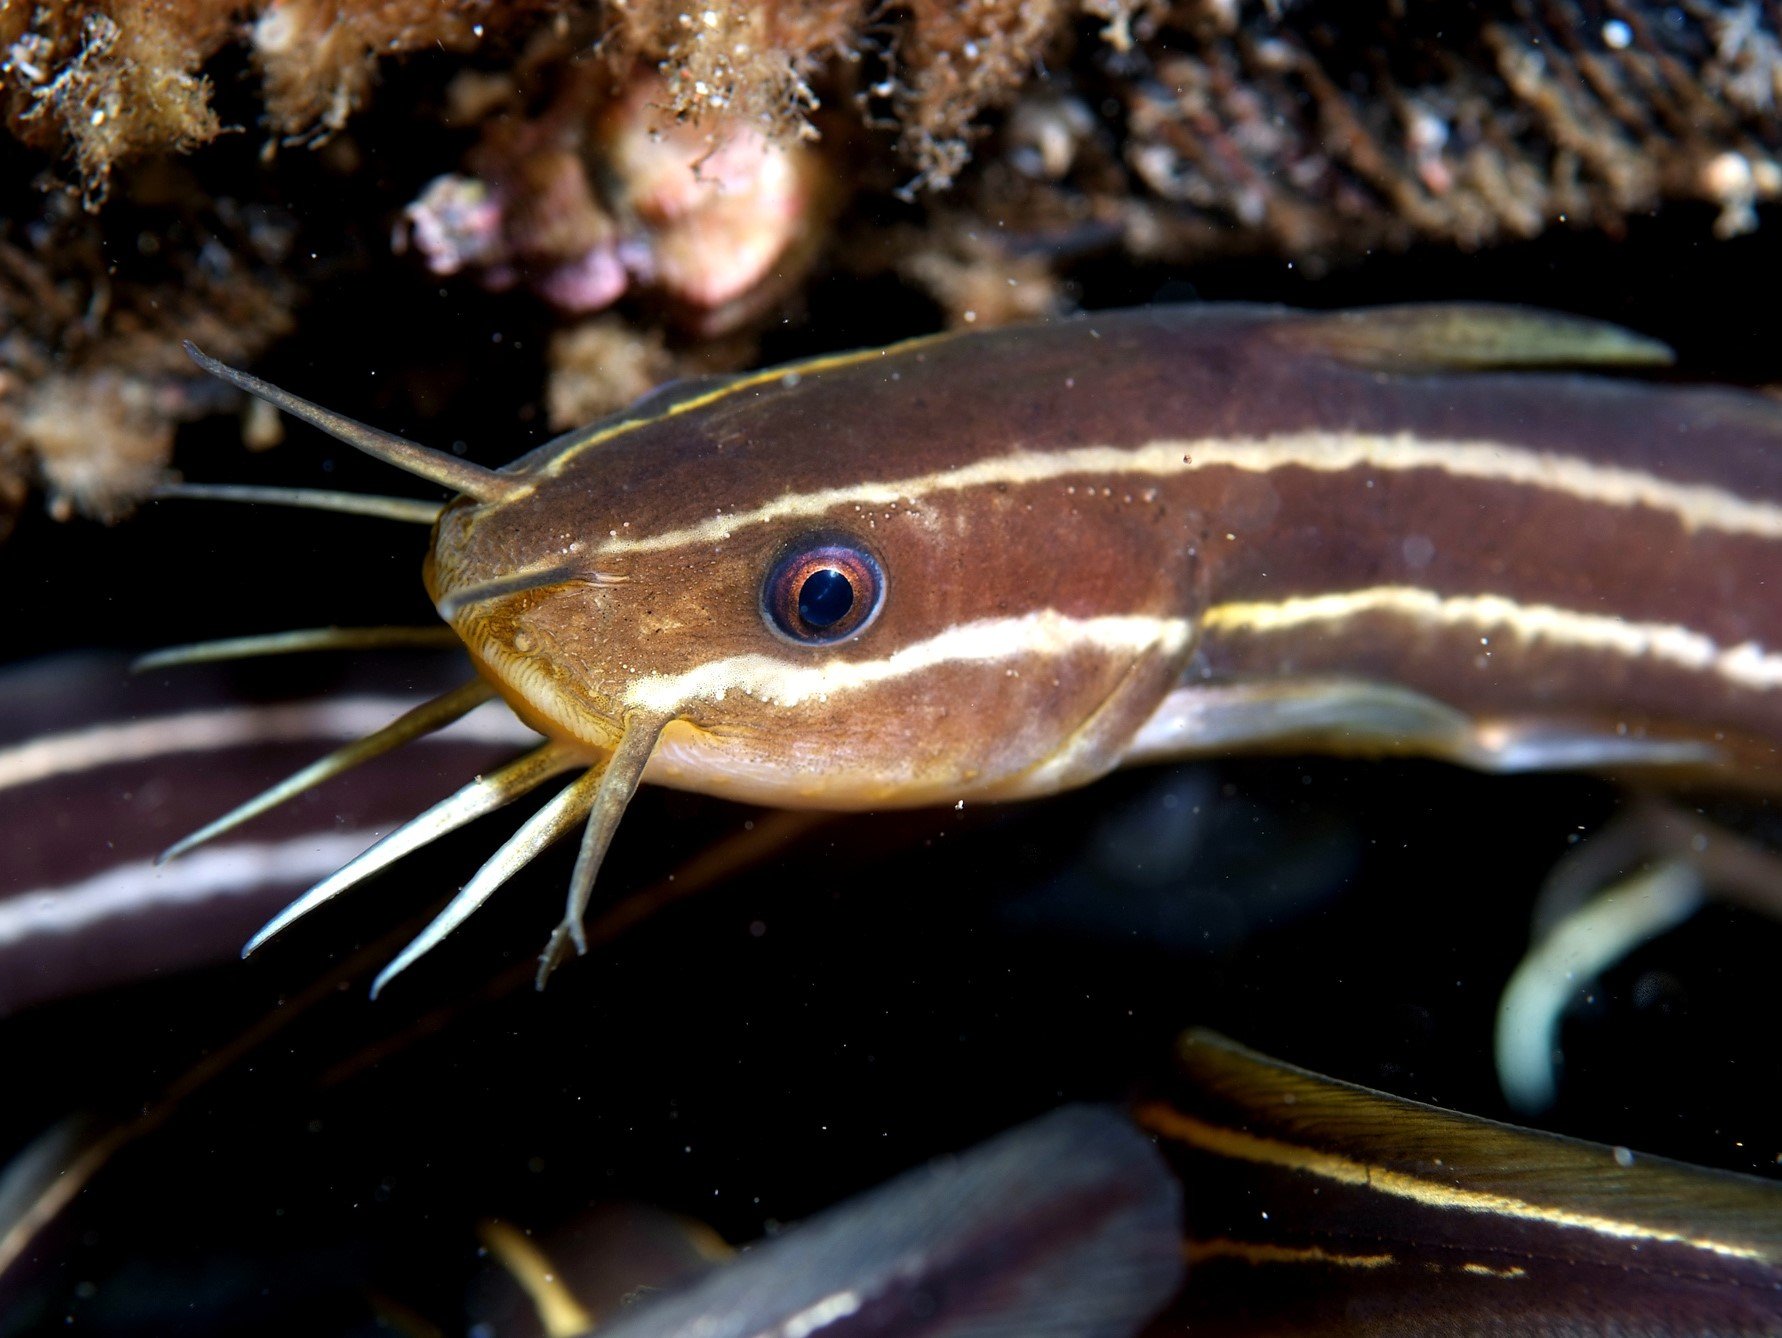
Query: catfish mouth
x=560 y=707
x=607 y=744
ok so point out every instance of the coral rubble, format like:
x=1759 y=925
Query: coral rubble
x=698 y=170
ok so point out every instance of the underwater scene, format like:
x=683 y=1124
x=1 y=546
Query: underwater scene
x=1130 y=655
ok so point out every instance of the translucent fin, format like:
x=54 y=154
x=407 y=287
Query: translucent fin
x=423 y=719
x=1354 y=717
x=618 y=782
x=410 y=510
x=542 y=830
x=486 y=485
x=1328 y=714
x=291 y=643
x=481 y=796
x=1473 y=336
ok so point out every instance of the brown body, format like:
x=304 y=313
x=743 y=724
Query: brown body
x=1235 y=542
x=1002 y=564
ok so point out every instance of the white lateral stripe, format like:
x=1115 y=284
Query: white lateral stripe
x=211 y=731
x=787 y=683
x=1694 y=505
x=1748 y=664
x=136 y=887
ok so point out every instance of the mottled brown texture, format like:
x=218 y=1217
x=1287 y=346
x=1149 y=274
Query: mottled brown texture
x=1319 y=130
x=111 y=80
x=115 y=80
x=92 y=379
x=1138 y=132
x=603 y=190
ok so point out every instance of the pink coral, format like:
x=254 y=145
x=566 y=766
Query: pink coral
x=585 y=207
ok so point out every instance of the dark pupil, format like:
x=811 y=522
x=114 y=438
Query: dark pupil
x=825 y=598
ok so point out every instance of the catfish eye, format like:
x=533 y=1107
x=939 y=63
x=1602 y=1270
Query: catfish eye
x=822 y=589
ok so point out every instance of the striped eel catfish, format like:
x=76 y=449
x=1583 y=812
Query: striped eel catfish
x=1315 y=1207
x=1306 y=1206
x=993 y=565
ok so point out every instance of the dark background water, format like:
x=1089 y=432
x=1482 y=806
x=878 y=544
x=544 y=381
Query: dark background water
x=887 y=988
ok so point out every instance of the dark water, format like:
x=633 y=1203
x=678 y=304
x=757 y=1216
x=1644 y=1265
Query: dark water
x=884 y=989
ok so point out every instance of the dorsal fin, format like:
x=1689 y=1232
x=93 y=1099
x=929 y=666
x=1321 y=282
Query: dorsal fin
x=485 y=485
x=1471 y=336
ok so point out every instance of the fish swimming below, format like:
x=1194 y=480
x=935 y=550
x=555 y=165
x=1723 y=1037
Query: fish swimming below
x=993 y=565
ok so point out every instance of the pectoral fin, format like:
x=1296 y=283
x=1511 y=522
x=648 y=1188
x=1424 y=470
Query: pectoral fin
x=1359 y=718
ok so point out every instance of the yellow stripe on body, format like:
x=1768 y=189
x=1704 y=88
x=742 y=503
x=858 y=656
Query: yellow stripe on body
x=1747 y=665
x=787 y=682
x=790 y=373
x=1696 y=506
x=1199 y=1251
x=1173 y=1124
